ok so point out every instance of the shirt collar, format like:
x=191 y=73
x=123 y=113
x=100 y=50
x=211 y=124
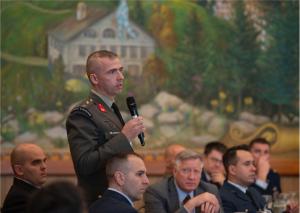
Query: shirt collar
x=106 y=99
x=242 y=188
x=182 y=194
x=26 y=181
x=115 y=190
x=208 y=178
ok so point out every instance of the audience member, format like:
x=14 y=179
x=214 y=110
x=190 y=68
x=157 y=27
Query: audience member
x=236 y=193
x=57 y=197
x=182 y=191
x=267 y=180
x=213 y=168
x=127 y=181
x=28 y=162
x=95 y=128
x=170 y=153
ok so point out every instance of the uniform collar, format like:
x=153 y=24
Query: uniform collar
x=106 y=99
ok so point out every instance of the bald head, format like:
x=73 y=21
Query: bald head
x=28 y=162
x=170 y=155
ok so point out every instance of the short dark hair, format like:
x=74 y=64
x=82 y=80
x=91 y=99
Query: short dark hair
x=90 y=62
x=117 y=162
x=57 y=197
x=214 y=145
x=260 y=141
x=230 y=157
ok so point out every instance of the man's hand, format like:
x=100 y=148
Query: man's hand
x=133 y=127
x=207 y=208
x=210 y=201
x=218 y=177
x=262 y=167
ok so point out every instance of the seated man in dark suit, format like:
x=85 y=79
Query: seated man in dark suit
x=236 y=193
x=127 y=181
x=28 y=162
x=182 y=191
x=267 y=180
x=213 y=168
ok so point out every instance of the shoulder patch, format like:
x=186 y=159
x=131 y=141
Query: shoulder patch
x=82 y=109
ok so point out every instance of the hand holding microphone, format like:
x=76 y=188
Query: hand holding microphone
x=135 y=126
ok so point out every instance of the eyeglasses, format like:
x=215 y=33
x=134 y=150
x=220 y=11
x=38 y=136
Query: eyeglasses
x=215 y=160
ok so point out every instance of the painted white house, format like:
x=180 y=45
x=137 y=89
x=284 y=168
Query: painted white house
x=94 y=29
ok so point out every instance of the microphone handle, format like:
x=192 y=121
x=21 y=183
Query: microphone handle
x=141 y=135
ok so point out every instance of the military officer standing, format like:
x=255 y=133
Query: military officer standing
x=95 y=128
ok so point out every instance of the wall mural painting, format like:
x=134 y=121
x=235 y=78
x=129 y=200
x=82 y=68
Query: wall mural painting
x=200 y=70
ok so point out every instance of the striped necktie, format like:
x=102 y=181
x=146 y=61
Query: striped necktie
x=186 y=199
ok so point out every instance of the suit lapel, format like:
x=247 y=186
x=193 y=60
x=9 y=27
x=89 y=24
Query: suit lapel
x=236 y=191
x=173 y=201
x=106 y=111
x=255 y=199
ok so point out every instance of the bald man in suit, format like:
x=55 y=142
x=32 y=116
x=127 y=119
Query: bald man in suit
x=28 y=162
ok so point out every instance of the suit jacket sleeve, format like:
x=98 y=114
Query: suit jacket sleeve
x=90 y=143
x=211 y=188
x=156 y=200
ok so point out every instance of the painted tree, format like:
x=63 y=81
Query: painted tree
x=278 y=82
x=244 y=52
x=138 y=13
x=187 y=64
x=162 y=25
x=154 y=73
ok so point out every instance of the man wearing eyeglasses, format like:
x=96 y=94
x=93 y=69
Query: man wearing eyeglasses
x=182 y=191
x=213 y=168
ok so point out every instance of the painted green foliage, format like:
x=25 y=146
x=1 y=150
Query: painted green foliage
x=201 y=56
x=279 y=63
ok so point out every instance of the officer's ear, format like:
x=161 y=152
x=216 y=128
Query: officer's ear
x=93 y=78
x=232 y=169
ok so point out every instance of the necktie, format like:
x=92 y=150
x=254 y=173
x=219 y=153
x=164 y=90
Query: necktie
x=186 y=199
x=248 y=193
x=117 y=112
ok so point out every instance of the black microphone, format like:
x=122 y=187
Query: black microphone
x=134 y=113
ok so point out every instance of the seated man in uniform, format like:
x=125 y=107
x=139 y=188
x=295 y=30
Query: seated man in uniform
x=236 y=193
x=267 y=180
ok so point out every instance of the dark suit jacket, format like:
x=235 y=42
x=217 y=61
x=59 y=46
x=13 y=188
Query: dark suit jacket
x=112 y=202
x=17 y=197
x=94 y=135
x=162 y=197
x=273 y=180
x=234 y=200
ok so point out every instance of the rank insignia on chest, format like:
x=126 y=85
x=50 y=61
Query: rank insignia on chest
x=101 y=108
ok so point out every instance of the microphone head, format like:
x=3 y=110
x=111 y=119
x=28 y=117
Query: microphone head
x=131 y=104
